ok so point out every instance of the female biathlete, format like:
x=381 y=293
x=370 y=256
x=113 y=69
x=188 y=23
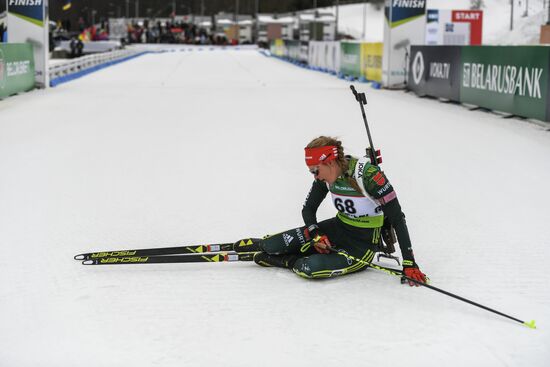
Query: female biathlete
x=364 y=199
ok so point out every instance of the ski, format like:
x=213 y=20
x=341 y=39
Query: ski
x=186 y=258
x=386 y=269
x=239 y=246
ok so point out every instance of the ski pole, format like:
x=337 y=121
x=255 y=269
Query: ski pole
x=530 y=324
x=371 y=152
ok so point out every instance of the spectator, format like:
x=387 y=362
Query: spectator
x=2 y=32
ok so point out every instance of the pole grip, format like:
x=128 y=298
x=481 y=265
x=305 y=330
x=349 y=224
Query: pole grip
x=359 y=97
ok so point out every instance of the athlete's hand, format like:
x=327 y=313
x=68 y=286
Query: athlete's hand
x=321 y=243
x=414 y=273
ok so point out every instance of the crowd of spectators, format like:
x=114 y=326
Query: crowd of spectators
x=173 y=32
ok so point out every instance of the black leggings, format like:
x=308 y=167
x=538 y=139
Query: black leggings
x=361 y=243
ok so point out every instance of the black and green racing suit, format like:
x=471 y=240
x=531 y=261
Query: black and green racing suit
x=355 y=229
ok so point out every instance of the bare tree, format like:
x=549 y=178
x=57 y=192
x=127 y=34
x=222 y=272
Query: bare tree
x=476 y=4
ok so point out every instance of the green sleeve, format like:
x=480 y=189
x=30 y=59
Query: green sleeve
x=379 y=187
x=395 y=216
x=316 y=195
x=376 y=183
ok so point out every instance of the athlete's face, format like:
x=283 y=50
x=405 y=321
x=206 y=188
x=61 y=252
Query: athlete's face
x=326 y=172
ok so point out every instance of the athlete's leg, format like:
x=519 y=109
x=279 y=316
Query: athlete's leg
x=333 y=264
x=329 y=265
x=293 y=241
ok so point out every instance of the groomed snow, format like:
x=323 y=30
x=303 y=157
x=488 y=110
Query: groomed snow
x=197 y=147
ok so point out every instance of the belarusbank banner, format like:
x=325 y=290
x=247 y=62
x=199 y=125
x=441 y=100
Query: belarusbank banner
x=511 y=79
x=404 y=25
x=28 y=23
x=16 y=69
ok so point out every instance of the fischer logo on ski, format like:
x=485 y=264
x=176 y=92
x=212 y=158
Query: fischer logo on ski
x=112 y=254
x=114 y=260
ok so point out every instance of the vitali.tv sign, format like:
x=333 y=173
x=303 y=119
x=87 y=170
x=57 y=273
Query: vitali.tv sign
x=511 y=79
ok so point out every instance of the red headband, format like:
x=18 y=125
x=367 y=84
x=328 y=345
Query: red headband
x=315 y=156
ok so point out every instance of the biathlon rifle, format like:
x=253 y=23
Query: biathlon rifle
x=372 y=153
x=388 y=233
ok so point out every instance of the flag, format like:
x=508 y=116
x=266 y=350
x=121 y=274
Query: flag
x=66 y=4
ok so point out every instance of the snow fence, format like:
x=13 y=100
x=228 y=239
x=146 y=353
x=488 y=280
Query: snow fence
x=349 y=59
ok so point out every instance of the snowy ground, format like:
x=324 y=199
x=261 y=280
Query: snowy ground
x=193 y=147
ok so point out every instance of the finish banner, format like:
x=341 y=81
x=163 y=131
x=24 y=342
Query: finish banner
x=28 y=23
x=508 y=79
x=404 y=25
x=435 y=71
x=16 y=68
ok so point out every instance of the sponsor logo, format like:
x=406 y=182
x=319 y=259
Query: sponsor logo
x=348 y=259
x=337 y=188
x=440 y=70
x=374 y=61
x=112 y=253
x=2 y=70
x=287 y=238
x=300 y=236
x=323 y=157
x=350 y=58
x=409 y=3
x=384 y=189
x=115 y=260
x=503 y=79
x=360 y=168
x=418 y=67
x=24 y=2
x=17 y=68
x=433 y=15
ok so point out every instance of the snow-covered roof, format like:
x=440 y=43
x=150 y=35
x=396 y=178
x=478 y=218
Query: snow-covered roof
x=225 y=21
x=271 y=19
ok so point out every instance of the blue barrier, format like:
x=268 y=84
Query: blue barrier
x=81 y=73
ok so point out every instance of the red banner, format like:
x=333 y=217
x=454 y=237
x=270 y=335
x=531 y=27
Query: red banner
x=475 y=18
